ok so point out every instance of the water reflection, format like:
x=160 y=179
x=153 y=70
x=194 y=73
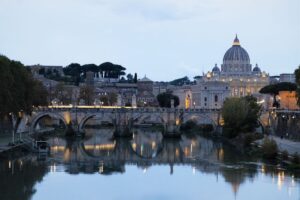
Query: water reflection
x=100 y=153
x=19 y=176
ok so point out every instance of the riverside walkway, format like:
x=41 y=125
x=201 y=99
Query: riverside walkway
x=290 y=146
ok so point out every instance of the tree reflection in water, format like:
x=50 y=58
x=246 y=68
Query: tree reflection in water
x=19 y=176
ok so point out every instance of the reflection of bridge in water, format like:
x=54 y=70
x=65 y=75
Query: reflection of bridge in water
x=144 y=149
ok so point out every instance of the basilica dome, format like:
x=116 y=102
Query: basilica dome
x=236 y=54
x=236 y=60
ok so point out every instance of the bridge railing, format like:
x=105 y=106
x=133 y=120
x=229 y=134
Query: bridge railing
x=124 y=109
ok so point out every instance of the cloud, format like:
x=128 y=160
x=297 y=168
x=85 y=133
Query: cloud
x=158 y=9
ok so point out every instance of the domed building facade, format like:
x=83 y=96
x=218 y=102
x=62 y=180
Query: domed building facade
x=235 y=78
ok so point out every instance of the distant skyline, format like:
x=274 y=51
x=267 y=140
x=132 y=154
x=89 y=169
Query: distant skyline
x=163 y=39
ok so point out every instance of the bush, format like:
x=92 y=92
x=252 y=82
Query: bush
x=206 y=127
x=248 y=139
x=190 y=124
x=296 y=159
x=285 y=155
x=269 y=149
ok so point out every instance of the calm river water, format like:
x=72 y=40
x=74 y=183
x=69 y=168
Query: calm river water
x=146 y=166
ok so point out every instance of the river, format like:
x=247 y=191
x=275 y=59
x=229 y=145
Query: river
x=144 y=166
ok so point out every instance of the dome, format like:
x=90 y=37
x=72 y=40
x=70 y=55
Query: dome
x=216 y=68
x=256 y=68
x=236 y=54
x=145 y=79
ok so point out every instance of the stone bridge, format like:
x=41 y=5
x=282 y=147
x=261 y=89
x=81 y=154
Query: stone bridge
x=122 y=119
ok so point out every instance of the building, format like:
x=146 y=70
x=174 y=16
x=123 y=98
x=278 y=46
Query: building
x=288 y=100
x=237 y=71
x=145 y=96
x=287 y=78
x=44 y=69
x=184 y=94
x=210 y=94
x=236 y=78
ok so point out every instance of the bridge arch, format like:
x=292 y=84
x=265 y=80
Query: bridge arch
x=38 y=117
x=200 y=119
x=149 y=118
x=105 y=117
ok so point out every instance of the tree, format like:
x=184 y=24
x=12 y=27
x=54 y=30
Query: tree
x=129 y=78
x=135 y=78
x=274 y=90
x=63 y=93
x=297 y=76
x=180 y=81
x=19 y=91
x=164 y=99
x=240 y=115
x=87 y=94
x=42 y=71
x=74 y=70
x=112 y=98
x=111 y=70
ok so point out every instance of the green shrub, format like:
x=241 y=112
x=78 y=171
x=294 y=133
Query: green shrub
x=269 y=149
x=190 y=124
x=284 y=155
x=248 y=139
x=206 y=127
x=296 y=159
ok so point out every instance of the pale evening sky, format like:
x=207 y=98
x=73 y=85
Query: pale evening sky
x=164 y=39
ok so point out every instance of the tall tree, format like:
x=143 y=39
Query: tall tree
x=75 y=71
x=19 y=91
x=164 y=99
x=129 y=78
x=180 y=81
x=87 y=93
x=297 y=75
x=111 y=70
x=274 y=90
x=240 y=115
x=135 y=78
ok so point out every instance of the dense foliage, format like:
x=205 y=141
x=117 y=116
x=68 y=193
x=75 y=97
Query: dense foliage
x=269 y=148
x=18 y=91
x=297 y=75
x=240 y=115
x=180 y=81
x=78 y=72
x=274 y=90
x=87 y=94
x=164 y=99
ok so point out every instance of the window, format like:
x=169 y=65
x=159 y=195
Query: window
x=205 y=98
x=216 y=98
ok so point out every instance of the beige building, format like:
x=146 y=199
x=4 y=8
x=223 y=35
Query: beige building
x=236 y=78
x=288 y=100
x=237 y=71
x=209 y=94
